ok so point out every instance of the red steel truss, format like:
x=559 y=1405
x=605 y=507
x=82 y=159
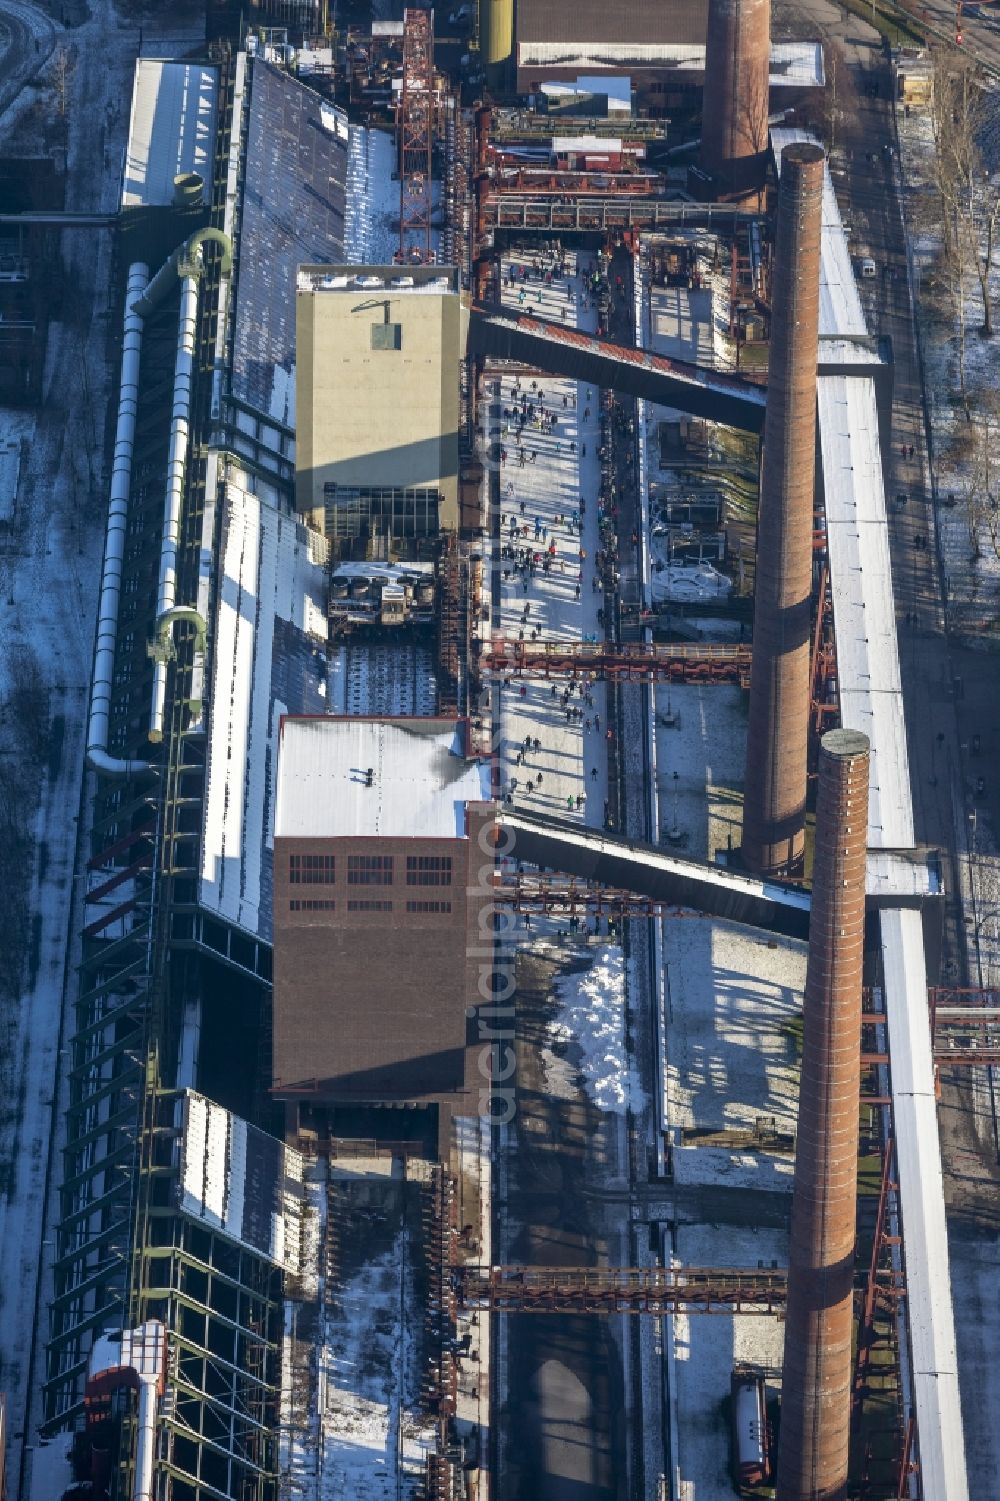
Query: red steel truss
x=633 y=661
x=965 y=1026
x=568 y=896
x=416 y=137
x=652 y=1289
x=875 y=1287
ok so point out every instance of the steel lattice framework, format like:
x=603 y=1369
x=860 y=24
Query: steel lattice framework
x=416 y=136
x=632 y=661
x=648 y=1289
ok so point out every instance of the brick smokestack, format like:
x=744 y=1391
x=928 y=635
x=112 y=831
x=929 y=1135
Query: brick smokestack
x=735 y=101
x=816 y=1382
x=777 y=735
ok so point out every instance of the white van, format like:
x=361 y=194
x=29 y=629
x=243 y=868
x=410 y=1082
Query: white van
x=868 y=268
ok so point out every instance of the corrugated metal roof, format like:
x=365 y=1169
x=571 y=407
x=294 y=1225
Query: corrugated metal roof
x=293 y=213
x=171 y=129
x=422 y=780
x=269 y=656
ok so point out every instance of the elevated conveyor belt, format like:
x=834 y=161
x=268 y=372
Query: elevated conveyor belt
x=559 y=844
x=498 y=333
x=616 y=869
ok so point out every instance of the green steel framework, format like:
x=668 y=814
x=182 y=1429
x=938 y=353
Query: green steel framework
x=124 y=1251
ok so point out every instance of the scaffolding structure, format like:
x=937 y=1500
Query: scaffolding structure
x=125 y=1252
x=416 y=137
x=451 y=631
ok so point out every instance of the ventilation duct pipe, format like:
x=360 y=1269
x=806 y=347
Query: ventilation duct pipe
x=114 y=541
x=187 y=263
x=180 y=429
x=141 y=298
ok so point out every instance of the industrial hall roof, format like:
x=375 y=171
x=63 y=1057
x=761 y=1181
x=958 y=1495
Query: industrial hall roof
x=171 y=129
x=420 y=779
x=637 y=23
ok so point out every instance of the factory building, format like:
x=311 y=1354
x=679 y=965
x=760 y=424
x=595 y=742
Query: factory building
x=379 y=350
x=380 y=828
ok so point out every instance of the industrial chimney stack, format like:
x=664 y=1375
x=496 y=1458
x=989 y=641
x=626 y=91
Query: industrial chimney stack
x=735 y=105
x=774 y=807
x=816 y=1378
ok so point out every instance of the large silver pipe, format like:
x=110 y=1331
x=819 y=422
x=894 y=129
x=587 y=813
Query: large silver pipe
x=142 y=297
x=114 y=542
x=180 y=427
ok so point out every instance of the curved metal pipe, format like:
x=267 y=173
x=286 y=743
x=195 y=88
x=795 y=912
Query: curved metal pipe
x=114 y=542
x=187 y=260
x=163 y=649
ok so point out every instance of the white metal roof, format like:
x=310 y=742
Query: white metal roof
x=840 y=310
x=871 y=700
x=863 y=605
x=929 y=1307
x=421 y=785
x=171 y=130
x=268 y=651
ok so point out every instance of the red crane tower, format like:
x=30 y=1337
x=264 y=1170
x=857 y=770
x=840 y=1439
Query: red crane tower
x=416 y=137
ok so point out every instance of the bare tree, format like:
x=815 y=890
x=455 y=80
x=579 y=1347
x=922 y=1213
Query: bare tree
x=63 y=68
x=968 y=196
x=752 y=124
x=976 y=448
x=840 y=98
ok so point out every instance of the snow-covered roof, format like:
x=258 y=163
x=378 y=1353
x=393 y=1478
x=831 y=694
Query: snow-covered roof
x=798 y=64
x=421 y=784
x=616 y=89
x=871 y=700
x=863 y=606
x=171 y=129
x=268 y=651
x=599 y=145
x=358 y=280
x=840 y=310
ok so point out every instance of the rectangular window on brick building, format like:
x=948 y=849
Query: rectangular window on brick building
x=362 y=906
x=428 y=870
x=428 y=906
x=314 y=905
x=311 y=870
x=369 y=870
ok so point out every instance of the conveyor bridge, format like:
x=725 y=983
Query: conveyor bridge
x=628 y=661
x=655 y=873
x=528 y=213
x=499 y=333
x=648 y=1289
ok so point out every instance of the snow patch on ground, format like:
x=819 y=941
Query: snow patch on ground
x=732 y=1169
x=733 y=993
x=589 y=1032
x=371 y=1445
